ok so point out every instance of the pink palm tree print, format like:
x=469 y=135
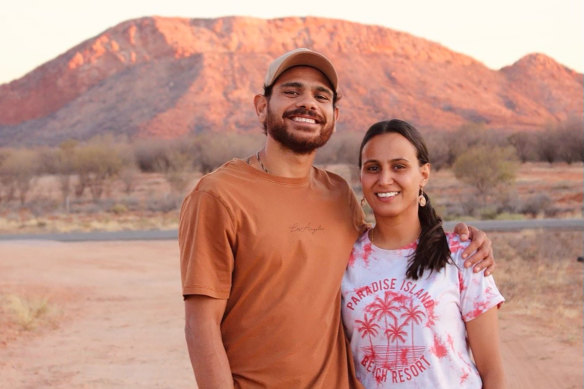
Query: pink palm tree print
x=396 y=333
x=383 y=308
x=413 y=315
x=368 y=327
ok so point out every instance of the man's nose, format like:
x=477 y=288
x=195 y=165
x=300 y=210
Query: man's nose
x=306 y=101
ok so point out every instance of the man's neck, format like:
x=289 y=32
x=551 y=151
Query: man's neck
x=283 y=162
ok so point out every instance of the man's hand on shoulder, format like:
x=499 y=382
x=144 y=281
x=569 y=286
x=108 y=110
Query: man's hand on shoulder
x=480 y=251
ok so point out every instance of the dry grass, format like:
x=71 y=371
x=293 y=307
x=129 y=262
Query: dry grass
x=104 y=221
x=25 y=313
x=542 y=281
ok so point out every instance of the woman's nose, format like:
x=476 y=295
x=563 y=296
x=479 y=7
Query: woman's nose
x=385 y=177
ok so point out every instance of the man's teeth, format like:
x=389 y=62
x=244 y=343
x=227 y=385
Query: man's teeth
x=304 y=120
x=387 y=194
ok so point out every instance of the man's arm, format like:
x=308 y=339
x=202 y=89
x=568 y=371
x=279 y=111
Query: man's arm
x=203 y=316
x=481 y=246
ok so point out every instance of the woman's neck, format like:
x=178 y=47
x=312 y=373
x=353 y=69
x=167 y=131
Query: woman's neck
x=395 y=232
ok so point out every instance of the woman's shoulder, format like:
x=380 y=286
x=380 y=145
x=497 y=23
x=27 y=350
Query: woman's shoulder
x=456 y=245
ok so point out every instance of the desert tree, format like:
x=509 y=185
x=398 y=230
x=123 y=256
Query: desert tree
x=174 y=158
x=179 y=169
x=96 y=163
x=210 y=150
x=341 y=155
x=439 y=149
x=129 y=175
x=524 y=143
x=465 y=137
x=129 y=172
x=487 y=169
x=570 y=141
x=342 y=148
x=151 y=155
x=18 y=170
x=6 y=187
x=63 y=166
x=547 y=145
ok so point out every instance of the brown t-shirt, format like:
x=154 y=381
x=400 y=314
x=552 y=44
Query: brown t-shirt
x=276 y=249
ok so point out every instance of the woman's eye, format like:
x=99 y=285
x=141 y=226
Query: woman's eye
x=372 y=169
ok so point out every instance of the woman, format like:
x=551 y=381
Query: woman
x=409 y=304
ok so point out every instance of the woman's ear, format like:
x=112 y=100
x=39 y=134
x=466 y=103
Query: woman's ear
x=425 y=172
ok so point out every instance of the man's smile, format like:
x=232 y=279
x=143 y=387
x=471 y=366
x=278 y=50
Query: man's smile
x=303 y=120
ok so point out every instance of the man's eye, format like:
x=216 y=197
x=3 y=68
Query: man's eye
x=322 y=97
x=290 y=92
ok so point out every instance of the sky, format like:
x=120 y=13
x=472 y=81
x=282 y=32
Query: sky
x=496 y=32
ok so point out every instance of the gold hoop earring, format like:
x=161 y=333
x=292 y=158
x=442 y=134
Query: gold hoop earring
x=421 y=198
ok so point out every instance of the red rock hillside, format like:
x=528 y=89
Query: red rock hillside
x=165 y=77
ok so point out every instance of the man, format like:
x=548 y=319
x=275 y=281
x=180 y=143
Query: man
x=264 y=243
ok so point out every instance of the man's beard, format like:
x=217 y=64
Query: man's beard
x=278 y=130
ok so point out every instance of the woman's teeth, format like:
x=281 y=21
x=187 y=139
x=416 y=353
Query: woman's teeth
x=387 y=194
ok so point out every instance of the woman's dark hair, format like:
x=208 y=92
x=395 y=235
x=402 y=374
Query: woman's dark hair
x=433 y=252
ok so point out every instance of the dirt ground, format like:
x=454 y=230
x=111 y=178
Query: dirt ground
x=113 y=318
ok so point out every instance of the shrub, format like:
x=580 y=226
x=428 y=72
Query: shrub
x=27 y=312
x=118 y=209
x=151 y=155
x=439 y=149
x=524 y=144
x=536 y=204
x=486 y=169
x=212 y=150
x=341 y=148
x=547 y=146
x=466 y=137
x=17 y=171
x=571 y=141
x=96 y=164
x=128 y=176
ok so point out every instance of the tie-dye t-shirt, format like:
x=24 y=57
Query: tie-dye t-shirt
x=408 y=333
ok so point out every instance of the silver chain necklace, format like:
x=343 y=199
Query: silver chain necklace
x=261 y=164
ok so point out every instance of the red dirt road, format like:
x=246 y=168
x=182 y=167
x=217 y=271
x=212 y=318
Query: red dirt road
x=116 y=321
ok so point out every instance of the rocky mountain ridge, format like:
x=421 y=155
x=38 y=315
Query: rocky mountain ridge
x=166 y=77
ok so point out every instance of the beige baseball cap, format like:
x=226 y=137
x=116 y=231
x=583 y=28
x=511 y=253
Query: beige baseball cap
x=301 y=57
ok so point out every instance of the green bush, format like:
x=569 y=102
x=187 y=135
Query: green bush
x=487 y=169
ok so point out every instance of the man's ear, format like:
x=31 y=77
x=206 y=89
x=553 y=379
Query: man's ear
x=336 y=116
x=260 y=103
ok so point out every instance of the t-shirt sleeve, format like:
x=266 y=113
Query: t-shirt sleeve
x=206 y=244
x=357 y=212
x=478 y=293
